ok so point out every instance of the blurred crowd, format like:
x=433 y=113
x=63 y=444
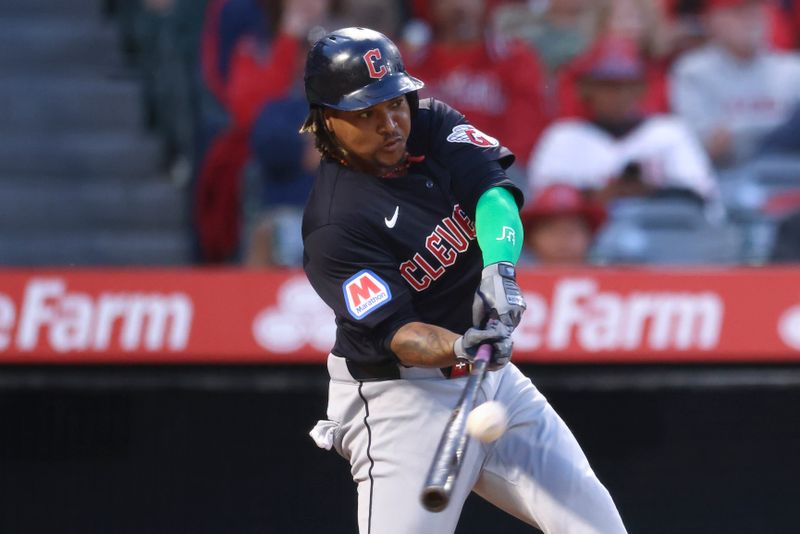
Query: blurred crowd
x=645 y=131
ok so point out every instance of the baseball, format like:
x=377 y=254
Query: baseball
x=488 y=421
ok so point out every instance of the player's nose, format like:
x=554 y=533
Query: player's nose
x=386 y=122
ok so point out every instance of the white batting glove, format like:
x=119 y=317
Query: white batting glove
x=496 y=333
x=498 y=295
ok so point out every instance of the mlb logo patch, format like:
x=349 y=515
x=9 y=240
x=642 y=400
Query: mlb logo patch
x=365 y=292
x=466 y=133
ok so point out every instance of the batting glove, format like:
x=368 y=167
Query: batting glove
x=495 y=333
x=498 y=296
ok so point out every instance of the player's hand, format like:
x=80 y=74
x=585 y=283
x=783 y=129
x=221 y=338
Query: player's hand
x=498 y=296
x=495 y=333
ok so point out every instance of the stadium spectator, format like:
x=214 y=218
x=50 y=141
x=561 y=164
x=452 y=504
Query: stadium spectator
x=685 y=28
x=782 y=18
x=619 y=150
x=252 y=51
x=286 y=163
x=379 y=15
x=735 y=89
x=495 y=82
x=559 y=224
x=558 y=30
x=642 y=22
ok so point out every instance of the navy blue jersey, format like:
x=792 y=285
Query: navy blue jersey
x=382 y=252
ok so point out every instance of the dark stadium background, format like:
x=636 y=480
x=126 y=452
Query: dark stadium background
x=209 y=450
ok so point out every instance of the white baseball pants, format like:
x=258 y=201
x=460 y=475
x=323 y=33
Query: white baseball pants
x=389 y=430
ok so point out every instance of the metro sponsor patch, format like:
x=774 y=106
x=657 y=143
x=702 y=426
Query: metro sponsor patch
x=466 y=133
x=364 y=293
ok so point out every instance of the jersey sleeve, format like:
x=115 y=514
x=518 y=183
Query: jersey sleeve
x=360 y=281
x=475 y=160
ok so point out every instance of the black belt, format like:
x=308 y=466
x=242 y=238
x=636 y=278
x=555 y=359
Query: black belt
x=374 y=372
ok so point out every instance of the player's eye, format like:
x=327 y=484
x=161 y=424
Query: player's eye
x=364 y=115
x=396 y=102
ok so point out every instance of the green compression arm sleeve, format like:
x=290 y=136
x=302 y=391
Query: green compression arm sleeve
x=498 y=226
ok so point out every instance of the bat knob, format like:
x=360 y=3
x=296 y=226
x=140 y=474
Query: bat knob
x=434 y=498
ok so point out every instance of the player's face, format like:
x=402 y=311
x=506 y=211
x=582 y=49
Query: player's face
x=374 y=138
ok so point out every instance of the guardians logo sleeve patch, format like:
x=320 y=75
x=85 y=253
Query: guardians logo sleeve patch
x=466 y=133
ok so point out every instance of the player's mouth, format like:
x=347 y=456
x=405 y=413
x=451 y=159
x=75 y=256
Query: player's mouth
x=392 y=144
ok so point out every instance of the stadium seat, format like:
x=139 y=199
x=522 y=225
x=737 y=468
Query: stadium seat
x=664 y=231
x=748 y=192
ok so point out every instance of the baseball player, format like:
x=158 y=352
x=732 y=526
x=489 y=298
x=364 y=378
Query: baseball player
x=410 y=235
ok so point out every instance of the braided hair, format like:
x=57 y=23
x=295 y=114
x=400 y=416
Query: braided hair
x=324 y=140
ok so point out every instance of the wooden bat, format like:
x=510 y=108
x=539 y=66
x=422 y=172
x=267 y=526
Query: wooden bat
x=453 y=444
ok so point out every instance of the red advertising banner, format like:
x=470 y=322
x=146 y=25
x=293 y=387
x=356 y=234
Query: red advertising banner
x=230 y=316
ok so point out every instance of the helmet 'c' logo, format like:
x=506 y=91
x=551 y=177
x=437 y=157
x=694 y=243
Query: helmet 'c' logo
x=371 y=58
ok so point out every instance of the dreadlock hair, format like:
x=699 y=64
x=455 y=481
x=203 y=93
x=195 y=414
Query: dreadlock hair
x=324 y=140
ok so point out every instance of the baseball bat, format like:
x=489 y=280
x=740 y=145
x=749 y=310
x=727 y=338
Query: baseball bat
x=453 y=443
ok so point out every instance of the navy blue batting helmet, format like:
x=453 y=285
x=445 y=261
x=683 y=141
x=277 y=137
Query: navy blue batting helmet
x=355 y=68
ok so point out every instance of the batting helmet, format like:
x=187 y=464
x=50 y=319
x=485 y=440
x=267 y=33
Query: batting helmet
x=355 y=68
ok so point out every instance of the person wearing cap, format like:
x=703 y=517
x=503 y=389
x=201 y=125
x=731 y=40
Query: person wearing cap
x=559 y=225
x=411 y=235
x=735 y=90
x=497 y=82
x=618 y=150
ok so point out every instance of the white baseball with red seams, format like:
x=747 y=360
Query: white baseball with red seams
x=487 y=421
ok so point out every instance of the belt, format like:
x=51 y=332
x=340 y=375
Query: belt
x=368 y=372
x=373 y=371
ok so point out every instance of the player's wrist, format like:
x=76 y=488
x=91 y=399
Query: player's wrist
x=504 y=269
x=458 y=348
x=498 y=295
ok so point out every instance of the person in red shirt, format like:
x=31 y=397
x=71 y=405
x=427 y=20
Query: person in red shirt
x=639 y=21
x=496 y=83
x=252 y=52
x=783 y=18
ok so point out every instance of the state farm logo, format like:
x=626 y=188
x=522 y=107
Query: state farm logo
x=299 y=318
x=789 y=327
x=51 y=316
x=582 y=316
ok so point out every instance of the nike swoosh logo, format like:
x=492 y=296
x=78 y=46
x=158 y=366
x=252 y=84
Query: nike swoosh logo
x=390 y=222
